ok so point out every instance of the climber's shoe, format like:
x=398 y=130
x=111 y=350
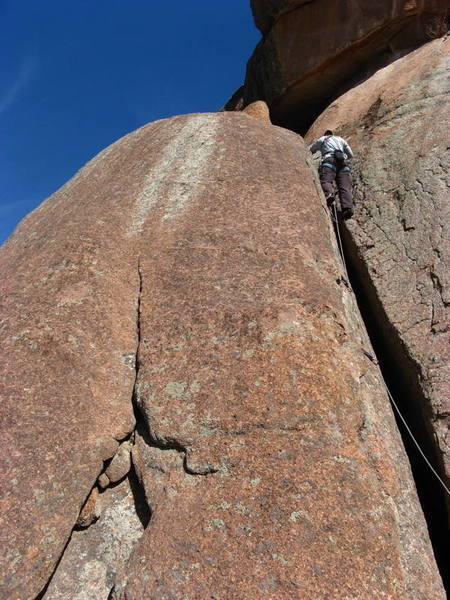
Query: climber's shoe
x=330 y=200
x=347 y=213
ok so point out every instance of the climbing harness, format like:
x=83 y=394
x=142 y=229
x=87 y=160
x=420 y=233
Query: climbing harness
x=337 y=167
x=375 y=361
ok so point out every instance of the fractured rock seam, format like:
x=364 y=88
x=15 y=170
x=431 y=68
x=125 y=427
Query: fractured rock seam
x=401 y=375
x=42 y=593
x=131 y=474
x=152 y=439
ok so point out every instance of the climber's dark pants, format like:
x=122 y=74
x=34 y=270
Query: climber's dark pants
x=343 y=182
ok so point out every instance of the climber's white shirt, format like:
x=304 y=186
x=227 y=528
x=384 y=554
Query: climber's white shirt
x=327 y=144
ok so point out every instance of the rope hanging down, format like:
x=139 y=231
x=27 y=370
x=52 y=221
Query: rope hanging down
x=341 y=249
x=416 y=443
x=394 y=404
x=375 y=361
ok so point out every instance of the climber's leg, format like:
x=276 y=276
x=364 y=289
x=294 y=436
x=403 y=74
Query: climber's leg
x=344 y=184
x=327 y=177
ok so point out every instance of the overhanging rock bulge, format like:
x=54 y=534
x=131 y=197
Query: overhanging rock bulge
x=313 y=51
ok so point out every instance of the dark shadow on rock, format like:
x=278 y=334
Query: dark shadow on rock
x=402 y=376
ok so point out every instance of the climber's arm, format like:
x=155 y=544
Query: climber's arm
x=315 y=146
x=348 y=150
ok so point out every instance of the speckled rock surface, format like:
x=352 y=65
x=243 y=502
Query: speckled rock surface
x=398 y=123
x=120 y=464
x=258 y=110
x=91 y=509
x=95 y=557
x=311 y=48
x=267 y=448
x=70 y=288
x=68 y=344
x=269 y=455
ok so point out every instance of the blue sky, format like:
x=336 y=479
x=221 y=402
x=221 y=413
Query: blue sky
x=76 y=75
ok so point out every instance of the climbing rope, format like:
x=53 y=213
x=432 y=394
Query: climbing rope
x=346 y=280
x=394 y=404
x=415 y=441
x=375 y=361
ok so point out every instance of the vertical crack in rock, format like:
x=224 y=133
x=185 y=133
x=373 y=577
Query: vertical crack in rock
x=154 y=455
x=110 y=524
x=42 y=593
x=142 y=422
x=397 y=250
x=403 y=377
x=97 y=556
x=77 y=526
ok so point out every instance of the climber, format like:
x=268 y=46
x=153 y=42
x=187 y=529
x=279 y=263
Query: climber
x=334 y=167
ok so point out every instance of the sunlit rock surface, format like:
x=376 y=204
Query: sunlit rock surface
x=195 y=257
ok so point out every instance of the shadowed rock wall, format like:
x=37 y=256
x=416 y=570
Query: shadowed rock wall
x=313 y=49
x=265 y=444
x=266 y=12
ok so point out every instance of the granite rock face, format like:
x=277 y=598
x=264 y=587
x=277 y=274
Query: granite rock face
x=311 y=49
x=258 y=110
x=193 y=262
x=398 y=123
x=68 y=340
x=267 y=474
x=95 y=558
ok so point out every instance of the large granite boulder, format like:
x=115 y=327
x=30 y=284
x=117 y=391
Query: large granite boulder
x=398 y=123
x=265 y=445
x=311 y=49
